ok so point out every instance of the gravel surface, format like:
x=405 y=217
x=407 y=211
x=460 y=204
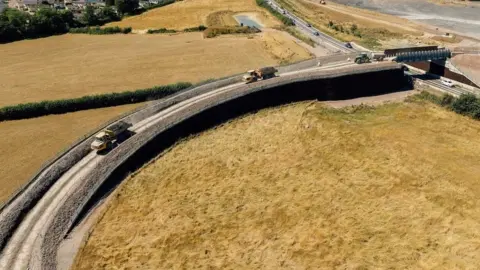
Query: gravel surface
x=67 y=213
x=459 y=18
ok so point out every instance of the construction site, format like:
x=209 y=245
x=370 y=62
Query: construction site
x=281 y=134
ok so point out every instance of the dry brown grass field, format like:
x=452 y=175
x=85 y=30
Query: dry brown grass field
x=27 y=144
x=304 y=187
x=190 y=13
x=76 y=65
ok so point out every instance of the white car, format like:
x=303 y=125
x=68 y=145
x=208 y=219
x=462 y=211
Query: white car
x=448 y=83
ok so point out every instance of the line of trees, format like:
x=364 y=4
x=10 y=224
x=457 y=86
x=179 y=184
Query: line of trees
x=100 y=31
x=17 y=25
x=465 y=104
x=36 y=109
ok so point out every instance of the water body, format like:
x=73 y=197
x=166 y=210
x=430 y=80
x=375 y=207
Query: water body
x=248 y=21
x=463 y=19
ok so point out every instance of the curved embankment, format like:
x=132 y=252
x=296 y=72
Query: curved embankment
x=14 y=211
x=202 y=114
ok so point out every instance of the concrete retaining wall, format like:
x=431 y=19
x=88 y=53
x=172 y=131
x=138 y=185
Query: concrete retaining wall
x=335 y=84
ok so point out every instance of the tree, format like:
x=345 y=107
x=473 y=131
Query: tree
x=89 y=17
x=109 y=3
x=107 y=14
x=126 y=6
x=353 y=28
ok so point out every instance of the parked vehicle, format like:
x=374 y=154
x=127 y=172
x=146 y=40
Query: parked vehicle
x=259 y=74
x=365 y=57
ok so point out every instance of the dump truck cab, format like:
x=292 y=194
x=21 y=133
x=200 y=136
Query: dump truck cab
x=105 y=138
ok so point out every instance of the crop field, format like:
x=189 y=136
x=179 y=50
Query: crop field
x=190 y=13
x=304 y=186
x=76 y=65
x=27 y=144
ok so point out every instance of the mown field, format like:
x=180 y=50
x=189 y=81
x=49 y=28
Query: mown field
x=190 y=13
x=27 y=144
x=76 y=65
x=304 y=186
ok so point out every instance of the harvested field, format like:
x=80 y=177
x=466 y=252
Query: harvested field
x=27 y=144
x=76 y=65
x=304 y=186
x=190 y=13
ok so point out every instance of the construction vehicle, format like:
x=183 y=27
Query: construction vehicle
x=108 y=137
x=364 y=57
x=259 y=74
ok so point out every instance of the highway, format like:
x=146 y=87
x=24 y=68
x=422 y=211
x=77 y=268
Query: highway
x=21 y=251
x=322 y=39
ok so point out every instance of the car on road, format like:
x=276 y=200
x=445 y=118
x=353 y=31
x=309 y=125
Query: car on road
x=348 y=45
x=448 y=83
x=309 y=25
x=316 y=33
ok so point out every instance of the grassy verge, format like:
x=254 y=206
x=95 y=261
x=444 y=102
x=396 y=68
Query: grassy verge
x=294 y=32
x=100 y=31
x=467 y=104
x=216 y=31
x=30 y=110
x=285 y=20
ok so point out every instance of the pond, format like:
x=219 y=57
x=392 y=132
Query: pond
x=248 y=21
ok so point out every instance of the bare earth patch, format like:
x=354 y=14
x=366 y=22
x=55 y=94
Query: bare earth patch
x=304 y=186
x=27 y=144
x=76 y=65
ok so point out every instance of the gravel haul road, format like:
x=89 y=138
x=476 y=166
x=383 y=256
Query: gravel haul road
x=24 y=249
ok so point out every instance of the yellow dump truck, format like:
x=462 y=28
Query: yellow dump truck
x=259 y=74
x=107 y=137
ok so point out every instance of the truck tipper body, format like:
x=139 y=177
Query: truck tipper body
x=259 y=74
x=109 y=135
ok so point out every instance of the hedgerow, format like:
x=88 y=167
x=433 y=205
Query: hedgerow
x=216 y=31
x=30 y=110
x=466 y=104
x=100 y=31
x=285 y=20
x=160 y=31
x=199 y=28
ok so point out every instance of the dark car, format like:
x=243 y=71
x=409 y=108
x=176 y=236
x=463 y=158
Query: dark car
x=348 y=45
x=316 y=33
x=309 y=25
